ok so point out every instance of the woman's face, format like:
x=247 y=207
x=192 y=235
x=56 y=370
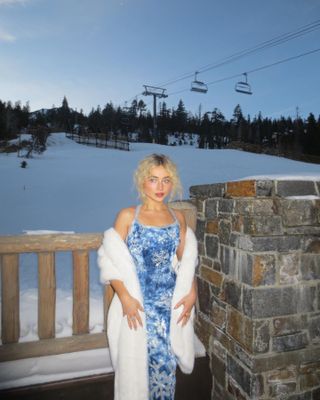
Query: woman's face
x=158 y=184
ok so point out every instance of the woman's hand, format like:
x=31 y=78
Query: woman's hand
x=131 y=307
x=188 y=302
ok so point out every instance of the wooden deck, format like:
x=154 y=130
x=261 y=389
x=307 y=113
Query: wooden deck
x=196 y=386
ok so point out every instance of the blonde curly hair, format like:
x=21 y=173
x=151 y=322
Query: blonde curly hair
x=155 y=160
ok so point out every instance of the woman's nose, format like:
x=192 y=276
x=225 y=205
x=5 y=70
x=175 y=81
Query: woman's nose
x=160 y=184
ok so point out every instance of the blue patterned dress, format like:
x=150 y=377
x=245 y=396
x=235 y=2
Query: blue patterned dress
x=153 y=249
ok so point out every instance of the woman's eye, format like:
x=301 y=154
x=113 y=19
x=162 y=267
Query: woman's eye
x=152 y=180
x=167 y=181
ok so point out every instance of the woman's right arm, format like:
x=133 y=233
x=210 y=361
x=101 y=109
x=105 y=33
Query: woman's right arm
x=130 y=305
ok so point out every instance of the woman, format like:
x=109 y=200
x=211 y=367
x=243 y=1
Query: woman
x=138 y=257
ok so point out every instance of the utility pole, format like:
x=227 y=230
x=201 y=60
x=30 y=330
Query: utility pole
x=156 y=92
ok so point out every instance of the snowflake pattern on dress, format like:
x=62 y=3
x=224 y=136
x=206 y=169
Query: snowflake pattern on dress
x=153 y=249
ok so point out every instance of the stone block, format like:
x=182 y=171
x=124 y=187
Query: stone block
x=211 y=276
x=207 y=262
x=200 y=230
x=296 y=212
x=287 y=374
x=289 y=324
x=301 y=396
x=245 y=268
x=218 y=368
x=199 y=204
x=289 y=342
x=273 y=302
x=309 y=375
x=201 y=249
x=255 y=207
x=264 y=188
x=313 y=245
x=234 y=239
x=216 y=265
x=203 y=329
x=240 y=328
x=241 y=189
x=272 y=361
x=247 y=301
x=239 y=374
x=310 y=266
x=261 y=336
x=267 y=243
x=212 y=246
x=251 y=384
x=263 y=270
x=262 y=225
x=227 y=260
x=211 y=209
x=242 y=355
x=289 y=268
x=204 y=297
x=214 y=190
x=224 y=231
x=231 y=294
x=235 y=390
x=225 y=206
x=220 y=393
x=302 y=230
x=257 y=270
x=219 y=350
x=237 y=223
x=314 y=328
x=212 y=226
x=295 y=188
x=281 y=390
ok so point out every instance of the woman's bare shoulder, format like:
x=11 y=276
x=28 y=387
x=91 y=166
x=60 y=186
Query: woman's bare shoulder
x=126 y=213
x=123 y=221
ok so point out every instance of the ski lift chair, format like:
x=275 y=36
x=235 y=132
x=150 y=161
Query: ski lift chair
x=243 y=86
x=198 y=86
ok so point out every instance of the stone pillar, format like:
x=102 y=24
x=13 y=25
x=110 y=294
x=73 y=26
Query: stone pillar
x=259 y=287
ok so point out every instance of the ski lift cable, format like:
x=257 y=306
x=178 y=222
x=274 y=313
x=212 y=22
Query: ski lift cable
x=255 y=50
x=303 y=30
x=242 y=53
x=253 y=70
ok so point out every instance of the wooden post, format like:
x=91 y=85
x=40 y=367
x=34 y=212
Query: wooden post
x=46 y=295
x=10 y=320
x=80 y=292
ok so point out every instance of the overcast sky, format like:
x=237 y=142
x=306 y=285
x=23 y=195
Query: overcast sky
x=96 y=51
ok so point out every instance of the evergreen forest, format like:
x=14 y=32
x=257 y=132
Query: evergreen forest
x=284 y=136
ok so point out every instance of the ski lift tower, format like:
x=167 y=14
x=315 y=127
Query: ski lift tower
x=156 y=92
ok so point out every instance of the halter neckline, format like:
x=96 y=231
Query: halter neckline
x=154 y=226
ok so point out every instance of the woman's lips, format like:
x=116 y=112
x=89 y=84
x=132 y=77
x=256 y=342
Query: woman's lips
x=159 y=194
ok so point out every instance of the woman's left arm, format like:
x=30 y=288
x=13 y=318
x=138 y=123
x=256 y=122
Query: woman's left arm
x=189 y=300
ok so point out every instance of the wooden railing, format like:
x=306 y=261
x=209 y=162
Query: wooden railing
x=45 y=246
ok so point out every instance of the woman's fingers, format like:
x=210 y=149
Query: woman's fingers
x=180 y=303
x=132 y=322
x=139 y=319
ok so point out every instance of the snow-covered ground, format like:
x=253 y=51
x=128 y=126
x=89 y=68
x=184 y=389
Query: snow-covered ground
x=73 y=187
